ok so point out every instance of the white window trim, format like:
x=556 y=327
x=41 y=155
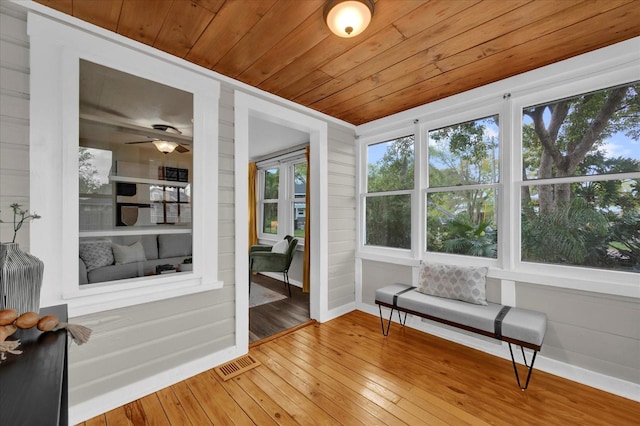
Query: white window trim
x=285 y=201
x=600 y=69
x=55 y=53
x=364 y=250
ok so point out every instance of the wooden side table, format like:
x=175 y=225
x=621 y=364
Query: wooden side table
x=33 y=385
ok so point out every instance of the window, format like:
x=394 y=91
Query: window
x=135 y=201
x=463 y=170
x=387 y=202
x=580 y=193
x=282 y=197
x=269 y=200
x=91 y=107
x=298 y=202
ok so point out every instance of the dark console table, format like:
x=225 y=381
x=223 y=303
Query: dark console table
x=33 y=385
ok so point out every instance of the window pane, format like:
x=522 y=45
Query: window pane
x=300 y=180
x=270 y=218
x=299 y=219
x=388 y=221
x=390 y=165
x=271 y=179
x=465 y=153
x=462 y=222
x=599 y=227
x=96 y=199
x=591 y=134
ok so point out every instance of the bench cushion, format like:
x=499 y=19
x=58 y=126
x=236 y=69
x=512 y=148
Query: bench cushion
x=519 y=324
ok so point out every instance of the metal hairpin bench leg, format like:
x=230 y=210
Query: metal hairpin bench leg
x=386 y=332
x=529 y=367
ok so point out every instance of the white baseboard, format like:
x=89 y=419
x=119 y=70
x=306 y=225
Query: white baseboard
x=88 y=409
x=339 y=311
x=574 y=373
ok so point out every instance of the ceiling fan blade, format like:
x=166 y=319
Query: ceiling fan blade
x=135 y=142
x=182 y=148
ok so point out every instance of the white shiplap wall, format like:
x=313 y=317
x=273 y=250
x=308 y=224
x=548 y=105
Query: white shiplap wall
x=342 y=217
x=136 y=348
x=14 y=118
x=140 y=343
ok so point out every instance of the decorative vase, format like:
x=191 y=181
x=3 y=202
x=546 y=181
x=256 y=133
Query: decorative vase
x=20 y=279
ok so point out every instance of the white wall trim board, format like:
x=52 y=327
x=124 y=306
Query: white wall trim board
x=278 y=276
x=118 y=397
x=594 y=379
x=340 y=310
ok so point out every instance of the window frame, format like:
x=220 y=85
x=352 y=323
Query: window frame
x=262 y=178
x=611 y=277
x=498 y=187
x=54 y=186
x=362 y=184
x=286 y=196
x=593 y=71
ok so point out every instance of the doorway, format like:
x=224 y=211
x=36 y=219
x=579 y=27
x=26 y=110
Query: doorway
x=248 y=108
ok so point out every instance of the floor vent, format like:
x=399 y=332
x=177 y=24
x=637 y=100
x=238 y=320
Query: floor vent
x=238 y=366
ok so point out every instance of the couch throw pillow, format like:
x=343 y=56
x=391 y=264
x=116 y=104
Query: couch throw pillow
x=280 y=247
x=454 y=282
x=96 y=254
x=128 y=254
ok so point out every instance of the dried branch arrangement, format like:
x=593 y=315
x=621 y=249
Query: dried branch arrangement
x=10 y=322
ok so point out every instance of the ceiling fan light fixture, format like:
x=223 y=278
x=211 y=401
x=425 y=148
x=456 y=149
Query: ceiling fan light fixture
x=348 y=18
x=165 y=147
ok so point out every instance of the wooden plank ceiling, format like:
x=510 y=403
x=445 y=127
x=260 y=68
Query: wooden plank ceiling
x=414 y=52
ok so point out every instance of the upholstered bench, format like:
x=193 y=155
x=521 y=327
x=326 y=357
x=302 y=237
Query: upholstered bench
x=517 y=326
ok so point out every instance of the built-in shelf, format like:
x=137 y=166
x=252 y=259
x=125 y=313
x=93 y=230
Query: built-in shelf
x=137 y=230
x=160 y=182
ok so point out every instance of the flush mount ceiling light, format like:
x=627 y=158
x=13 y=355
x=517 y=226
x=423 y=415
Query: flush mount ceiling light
x=165 y=147
x=348 y=18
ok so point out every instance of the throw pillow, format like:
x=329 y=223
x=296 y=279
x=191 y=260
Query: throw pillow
x=454 y=282
x=128 y=254
x=280 y=247
x=96 y=254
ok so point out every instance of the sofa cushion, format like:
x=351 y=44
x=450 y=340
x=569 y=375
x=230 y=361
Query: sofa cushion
x=96 y=254
x=454 y=282
x=149 y=243
x=174 y=245
x=128 y=254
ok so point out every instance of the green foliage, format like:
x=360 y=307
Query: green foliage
x=465 y=237
x=388 y=218
x=563 y=236
x=395 y=170
x=388 y=221
x=271 y=183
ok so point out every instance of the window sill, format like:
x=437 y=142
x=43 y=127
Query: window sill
x=92 y=298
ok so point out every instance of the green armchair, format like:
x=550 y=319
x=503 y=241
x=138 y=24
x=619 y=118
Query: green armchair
x=262 y=259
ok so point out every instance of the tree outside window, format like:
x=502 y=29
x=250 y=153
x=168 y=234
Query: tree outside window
x=298 y=202
x=580 y=195
x=390 y=182
x=462 y=193
x=271 y=182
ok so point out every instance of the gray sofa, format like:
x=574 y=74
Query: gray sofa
x=161 y=249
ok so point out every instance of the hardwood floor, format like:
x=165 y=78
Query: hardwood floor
x=344 y=372
x=272 y=318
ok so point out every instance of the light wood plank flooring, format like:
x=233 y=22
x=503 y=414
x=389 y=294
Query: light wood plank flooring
x=272 y=318
x=344 y=372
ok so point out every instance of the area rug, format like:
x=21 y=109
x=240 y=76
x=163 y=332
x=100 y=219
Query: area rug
x=260 y=295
